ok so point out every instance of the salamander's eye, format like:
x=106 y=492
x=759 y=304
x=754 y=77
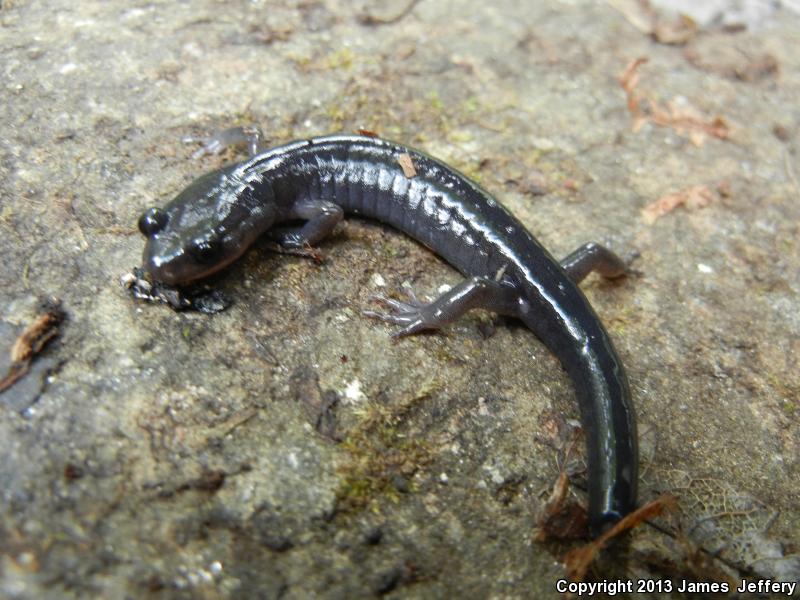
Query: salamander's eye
x=205 y=251
x=152 y=221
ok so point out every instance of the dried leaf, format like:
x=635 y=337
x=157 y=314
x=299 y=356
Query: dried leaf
x=674 y=33
x=578 y=561
x=31 y=342
x=562 y=517
x=405 y=162
x=684 y=119
x=694 y=197
x=737 y=67
x=629 y=80
x=677 y=31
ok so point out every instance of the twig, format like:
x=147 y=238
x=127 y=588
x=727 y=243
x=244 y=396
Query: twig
x=577 y=561
x=368 y=19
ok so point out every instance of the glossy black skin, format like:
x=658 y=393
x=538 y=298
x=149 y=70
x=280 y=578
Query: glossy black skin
x=456 y=219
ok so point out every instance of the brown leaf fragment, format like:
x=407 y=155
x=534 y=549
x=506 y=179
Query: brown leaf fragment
x=562 y=517
x=578 y=561
x=367 y=133
x=665 y=28
x=692 y=198
x=674 y=33
x=743 y=68
x=534 y=184
x=684 y=119
x=758 y=68
x=31 y=342
x=405 y=162
x=629 y=79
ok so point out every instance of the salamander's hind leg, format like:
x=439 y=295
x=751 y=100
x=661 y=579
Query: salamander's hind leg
x=321 y=217
x=594 y=257
x=475 y=292
x=220 y=141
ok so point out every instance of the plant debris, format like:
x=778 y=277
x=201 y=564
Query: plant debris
x=405 y=162
x=578 y=561
x=532 y=184
x=369 y=19
x=684 y=119
x=32 y=341
x=693 y=197
x=562 y=517
x=629 y=79
x=674 y=31
x=749 y=70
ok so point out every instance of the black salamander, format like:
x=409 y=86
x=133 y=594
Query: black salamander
x=214 y=220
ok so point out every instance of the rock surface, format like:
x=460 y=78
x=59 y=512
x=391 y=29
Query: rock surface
x=286 y=447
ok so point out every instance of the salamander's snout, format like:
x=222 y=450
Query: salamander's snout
x=178 y=257
x=161 y=270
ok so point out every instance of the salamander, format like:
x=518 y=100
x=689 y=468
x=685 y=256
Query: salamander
x=315 y=181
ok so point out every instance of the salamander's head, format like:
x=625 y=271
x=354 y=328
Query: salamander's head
x=204 y=229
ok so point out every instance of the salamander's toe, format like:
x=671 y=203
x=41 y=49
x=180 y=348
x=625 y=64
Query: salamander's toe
x=408 y=314
x=397 y=319
x=414 y=327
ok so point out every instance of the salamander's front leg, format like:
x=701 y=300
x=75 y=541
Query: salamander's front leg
x=220 y=141
x=475 y=292
x=593 y=257
x=321 y=217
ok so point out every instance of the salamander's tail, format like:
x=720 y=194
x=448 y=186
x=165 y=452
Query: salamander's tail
x=609 y=424
x=607 y=416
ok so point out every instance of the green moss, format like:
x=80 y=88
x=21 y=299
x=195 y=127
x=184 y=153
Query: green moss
x=341 y=59
x=470 y=105
x=461 y=136
x=336 y=115
x=302 y=62
x=435 y=101
x=473 y=171
x=383 y=456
